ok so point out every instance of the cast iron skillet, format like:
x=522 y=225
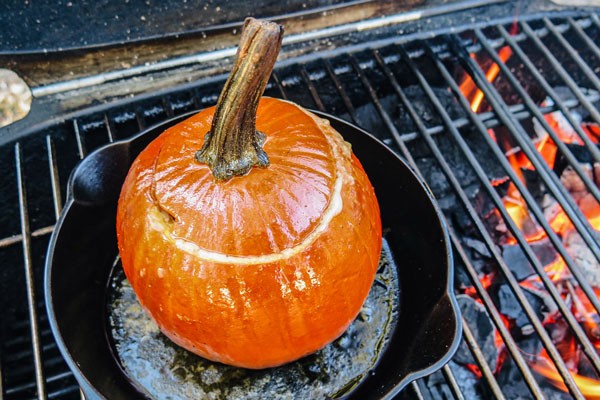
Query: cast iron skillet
x=83 y=248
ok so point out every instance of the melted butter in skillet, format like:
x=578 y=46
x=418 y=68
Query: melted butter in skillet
x=164 y=370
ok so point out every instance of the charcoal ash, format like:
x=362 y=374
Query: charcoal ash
x=583 y=257
x=483 y=330
x=576 y=187
x=579 y=112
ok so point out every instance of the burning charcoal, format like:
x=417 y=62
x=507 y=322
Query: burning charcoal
x=586 y=202
x=509 y=306
x=519 y=264
x=483 y=331
x=583 y=257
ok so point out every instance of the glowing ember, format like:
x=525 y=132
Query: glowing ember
x=486 y=281
x=475 y=370
x=470 y=89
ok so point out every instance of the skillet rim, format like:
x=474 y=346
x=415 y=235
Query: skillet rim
x=448 y=295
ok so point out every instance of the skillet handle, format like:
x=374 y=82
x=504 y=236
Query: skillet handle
x=97 y=179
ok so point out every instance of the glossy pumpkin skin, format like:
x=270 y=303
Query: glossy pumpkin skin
x=264 y=268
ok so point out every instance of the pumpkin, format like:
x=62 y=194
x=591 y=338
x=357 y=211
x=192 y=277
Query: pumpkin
x=249 y=232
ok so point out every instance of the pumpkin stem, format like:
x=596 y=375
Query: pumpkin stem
x=233 y=145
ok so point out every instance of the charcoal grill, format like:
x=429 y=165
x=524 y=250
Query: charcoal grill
x=398 y=76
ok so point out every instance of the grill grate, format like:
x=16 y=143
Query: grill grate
x=376 y=89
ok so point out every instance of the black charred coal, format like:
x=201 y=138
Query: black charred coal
x=518 y=262
x=483 y=330
x=426 y=111
x=581 y=153
x=510 y=307
x=478 y=246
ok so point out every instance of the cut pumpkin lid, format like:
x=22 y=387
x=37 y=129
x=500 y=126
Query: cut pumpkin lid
x=263 y=212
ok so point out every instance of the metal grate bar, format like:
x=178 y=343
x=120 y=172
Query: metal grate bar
x=17 y=238
x=561 y=71
x=167 y=107
x=54 y=179
x=511 y=280
x=481 y=361
x=63 y=392
x=591 y=186
x=80 y=145
x=312 y=89
x=495 y=315
x=26 y=386
x=587 y=71
x=549 y=91
x=29 y=279
x=109 y=128
x=531 y=203
x=417 y=390
x=140 y=121
x=548 y=177
x=595 y=20
x=341 y=91
x=584 y=36
x=279 y=85
x=539 y=268
x=451 y=379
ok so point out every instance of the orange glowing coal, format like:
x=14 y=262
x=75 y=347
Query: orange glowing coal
x=470 y=89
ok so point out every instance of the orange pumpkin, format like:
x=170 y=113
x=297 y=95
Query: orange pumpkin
x=262 y=267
